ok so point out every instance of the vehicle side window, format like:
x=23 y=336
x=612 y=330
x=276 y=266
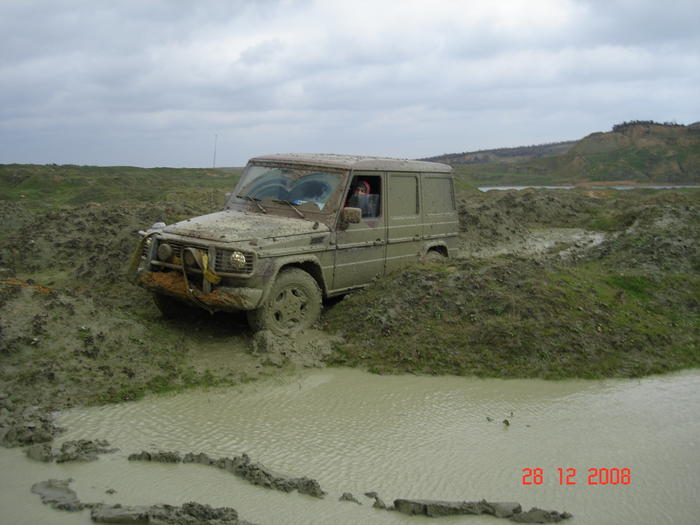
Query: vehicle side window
x=365 y=193
x=438 y=195
x=403 y=195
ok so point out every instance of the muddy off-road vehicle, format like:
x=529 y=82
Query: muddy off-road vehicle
x=297 y=229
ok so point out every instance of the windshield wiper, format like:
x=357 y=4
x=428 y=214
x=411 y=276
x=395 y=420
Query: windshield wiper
x=253 y=199
x=292 y=207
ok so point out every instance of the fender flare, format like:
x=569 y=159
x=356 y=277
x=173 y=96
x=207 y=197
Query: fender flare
x=434 y=244
x=304 y=262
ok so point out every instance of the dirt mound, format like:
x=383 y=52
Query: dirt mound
x=73 y=331
x=659 y=234
x=488 y=218
x=85 y=248
x=60 y=350
x=521 y=318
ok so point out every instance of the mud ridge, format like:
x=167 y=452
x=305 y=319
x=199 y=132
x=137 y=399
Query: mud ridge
x=58 y=494
x=73 y=450
x=499 y=509
x=241 y=466
x=188 y=513
x=24 y=425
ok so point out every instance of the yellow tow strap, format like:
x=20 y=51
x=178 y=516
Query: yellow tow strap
x=202 y=260
x=209 y=275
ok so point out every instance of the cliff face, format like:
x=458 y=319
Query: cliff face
x=640 y=151
x=507 y=155
x=644 y=152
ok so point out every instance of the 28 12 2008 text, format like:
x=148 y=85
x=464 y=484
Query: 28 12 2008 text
x=567 y=476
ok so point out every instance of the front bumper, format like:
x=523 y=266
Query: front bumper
x=219 y=298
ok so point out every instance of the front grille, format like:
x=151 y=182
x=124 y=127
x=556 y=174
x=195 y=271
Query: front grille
x=222 y=262
x=179 y=248
x=222 y=259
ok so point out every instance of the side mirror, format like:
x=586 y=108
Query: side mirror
x=351 y=215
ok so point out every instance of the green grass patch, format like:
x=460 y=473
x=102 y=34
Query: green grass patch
x=54 y=185
x=638 y=286
x=515 y=318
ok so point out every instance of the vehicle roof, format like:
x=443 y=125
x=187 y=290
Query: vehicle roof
x=355 y=162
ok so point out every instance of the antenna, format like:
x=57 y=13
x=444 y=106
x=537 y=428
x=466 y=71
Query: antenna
x=216 y=136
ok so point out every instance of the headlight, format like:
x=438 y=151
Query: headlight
x=146 y=246
x=165 y=252
x=189 y=258
x=237 y=260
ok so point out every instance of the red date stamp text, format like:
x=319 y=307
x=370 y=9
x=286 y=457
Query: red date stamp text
x=570 y=476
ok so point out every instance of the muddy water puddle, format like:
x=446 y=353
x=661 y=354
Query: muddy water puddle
x=401 y=436
x=540 y=242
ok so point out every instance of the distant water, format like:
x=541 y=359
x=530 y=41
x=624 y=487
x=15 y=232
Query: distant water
x=620 y=187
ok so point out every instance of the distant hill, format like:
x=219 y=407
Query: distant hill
x=511 y=155
x=637 y=151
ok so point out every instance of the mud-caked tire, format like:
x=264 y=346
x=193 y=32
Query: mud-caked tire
x=434 y=257
x=293 y=304
x=170 y=308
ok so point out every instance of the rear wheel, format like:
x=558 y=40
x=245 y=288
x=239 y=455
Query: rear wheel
x=294 y=304
x=434 y=256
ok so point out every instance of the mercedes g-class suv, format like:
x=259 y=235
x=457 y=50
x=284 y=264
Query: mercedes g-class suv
x=299 y=228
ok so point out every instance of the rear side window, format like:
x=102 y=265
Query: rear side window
x=438 y=195
x=403 y=195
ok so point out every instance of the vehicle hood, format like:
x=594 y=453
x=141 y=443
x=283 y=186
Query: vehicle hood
x=236 y=226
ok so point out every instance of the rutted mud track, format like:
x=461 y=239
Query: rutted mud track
x=74 y=331
x=575 y=266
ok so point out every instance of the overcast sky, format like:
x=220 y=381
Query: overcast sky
x=160 y=82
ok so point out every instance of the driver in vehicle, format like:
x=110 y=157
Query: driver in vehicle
x=362 y=198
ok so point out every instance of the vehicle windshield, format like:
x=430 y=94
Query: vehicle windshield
x=293 y=186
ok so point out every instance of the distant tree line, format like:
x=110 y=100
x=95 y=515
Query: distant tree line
x=625 y=125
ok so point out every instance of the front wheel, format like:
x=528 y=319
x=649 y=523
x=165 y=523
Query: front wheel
x=294 y=304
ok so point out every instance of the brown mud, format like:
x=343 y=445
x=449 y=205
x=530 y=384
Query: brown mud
x=58 y=494
x=612 y=291
x=241 y=466
x=73 y=450
x=499 y=509
x=75 y=332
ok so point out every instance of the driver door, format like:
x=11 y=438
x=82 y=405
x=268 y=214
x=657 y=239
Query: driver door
x=361 y=248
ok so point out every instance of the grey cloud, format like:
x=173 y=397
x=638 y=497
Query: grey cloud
x=135 y=82
x=643 y=22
